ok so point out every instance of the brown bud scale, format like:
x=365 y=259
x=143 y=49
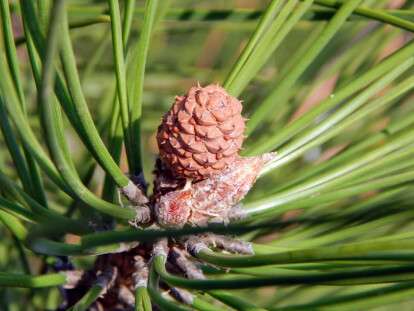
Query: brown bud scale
x=210 y=199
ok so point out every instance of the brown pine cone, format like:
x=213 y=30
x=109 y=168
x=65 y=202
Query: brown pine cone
x=202 y=133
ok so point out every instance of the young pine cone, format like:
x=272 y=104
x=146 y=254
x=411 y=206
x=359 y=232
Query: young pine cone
x=202 y=133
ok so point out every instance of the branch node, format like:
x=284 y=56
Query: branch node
x=134 y=194
x=182 y=295
x=160 y=248
x=194 y=245
x=189 y=268
x=140 y=276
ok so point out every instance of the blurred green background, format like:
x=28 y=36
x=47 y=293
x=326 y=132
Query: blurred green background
x=199 y=41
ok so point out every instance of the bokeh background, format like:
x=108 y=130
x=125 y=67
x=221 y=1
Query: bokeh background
x=199 y=41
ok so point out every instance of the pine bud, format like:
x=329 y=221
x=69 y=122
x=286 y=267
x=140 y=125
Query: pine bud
x=212 y=199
